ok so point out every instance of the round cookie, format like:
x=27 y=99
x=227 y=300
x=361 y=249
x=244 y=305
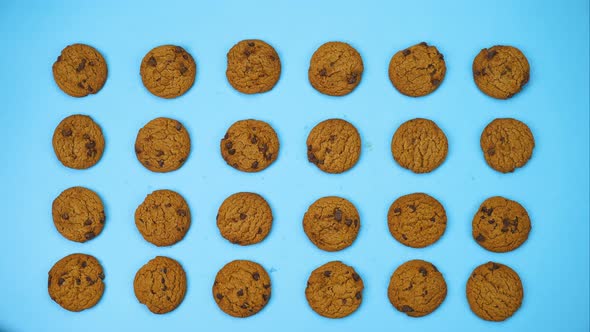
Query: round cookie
x=507 y=144
x=335 y=69
x=78 y=142
x=416 y=220
x=417 y=288
x=78 y=214
x=76 y=282
x=162 y=145
x=418 y=70
x=501 y=71
x=250 y=145
x=242 y=288
x=80 y=70
x=244 y=218
x=419 y=145
x=331 y=223
x=334 y=290
x=494 y=291
x=168 y=71
x=160 y=284
x=501 y=225
x=334 y=146
x=163 y=218
x=253 y=66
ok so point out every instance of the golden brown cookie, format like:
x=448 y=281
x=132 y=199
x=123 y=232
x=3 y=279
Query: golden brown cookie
x=331 y=223
x=250 y=145
x=244 y=218
x=241 y=288
x=160 y=284
x=335 y=69
x=163 y=218
x=78 y=142
x=494 y=291
x=334 y=290
x=417 y=70
x=501 y=71
x=417 y=288
x=501 y=225
x=253 y=66
x=162 y=145
x=80 y=70
x=168 y=71
x=419 y=145
x=507 y=144
x=78 y=214
x=76 y=282
x=334 y=146
x=417 y=220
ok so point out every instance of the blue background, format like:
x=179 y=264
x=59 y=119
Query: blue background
x=553 y=186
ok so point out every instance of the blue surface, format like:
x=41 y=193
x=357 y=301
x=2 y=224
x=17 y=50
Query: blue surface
x=553 y=186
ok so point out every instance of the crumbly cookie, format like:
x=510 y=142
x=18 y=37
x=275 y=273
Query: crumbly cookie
x=160 y=284
x=334 y=146
x=163 y=218
x=168 y=71
x=78 y=142
x=501 y=225
x=507 y=144
x=334 y=290
x=501 y=71
x=244 y=218
x=494 y=291
x=335 y=69
x=253 y=66
x=241 y=288
x=417 y=70
x=250 y=145
x=80 y=70
x=417 y=288
x=331 y=223
x=419 y=145
x=76 y=282
x=417 y=220
x=78 y=214
x=162 y=145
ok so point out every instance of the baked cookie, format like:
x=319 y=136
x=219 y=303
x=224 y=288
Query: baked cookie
x=168 y=71
x=78 y=142
x=500 y=224
x=253 y=66
x=76 y=282
x=241 y=288
x=80 y=70
x=501 y=71
x=494 y=291
x=417 y=288
x=160 y=284
x=416 y=220
x=163 y=218
x=335 y=69
x=417 y=70
x=250 y=145
x=334 y=290
x=244 y=218
x=78 y=214
x=507 y=144
x=419 y=145
x=331 y=223
x=334 y=146
x=162 y=145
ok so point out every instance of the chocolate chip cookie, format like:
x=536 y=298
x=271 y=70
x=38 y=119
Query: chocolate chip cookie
x=335 y=69
x=507 y=144
x=78 y=142
x=418 y=70
x=331 y=223
x=168 y=71
x=334 y=146
x=419 y=145
x=76 y=282
x=160 y=284
x=250 y=145
x=162 y=145
x=501 y=71
x=163 y=218
x=241 y=288
x=80 y=70
x=78 y=214
x=244 y=218
x=253 y=66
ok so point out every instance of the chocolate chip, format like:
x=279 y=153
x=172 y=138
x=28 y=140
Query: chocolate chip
x=263 y=148
x=265 y=297
x=164 y=288
x=435 y=81
x=178 y=49
x=323 y=72
x=491 y=151
x=268 y=156
x=266 y=286
x=412 y=207
x=91 y=152
x=255 y=164
x=229 y=144
x=59 y=58
x=152 y=61
x=161 y=163
x=491 y=54
x=352 y=79
x=491 y=221
x=247 y=52
x=244 y=306
x=480 y=238
x=253 y=140
x=240 y=292
x=181 y=212
x=80 y=85
x=348 y=222
x=423 y=271
x=343 y=301
x=219 y=296
x=65 y=216
x=397 y=211
x=89 y=280
x=183 y=69
x=101 y=220
x=89 y=235
x=66 y=132
x=88 y=222
x=255 y=276
x=494 y=267
x=327 y=273
x=163 y=280
x=81 y=65
x=84 y=264
x=243 y=216
x=164 y=270
x=406 y=52
x=60 y=281
x=356 y=277
x=178 y=126
x=101 y=276
x=159 y=153
x=423 y=44
x=231 y=151
x=358 y=295
x=432 y=219
x=404 y=236
x=337 y=214
x=486 y=210
x=407 y=308
x=90 y=145
x=78 y=281
x=251 y=44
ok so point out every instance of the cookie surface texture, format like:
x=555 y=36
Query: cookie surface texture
x=160 y=284
x=162 y=145
x=244 y=218
x=419 y=145
x=507 y=144
x=418 y=70
x=250 y=145
x=78 y=214
x=78 y=142
x=335 y=69
x=501 y=71
x=168 y=71
x=334 y=146
x=253 y=66
x=331 y=223
x=80 y=70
